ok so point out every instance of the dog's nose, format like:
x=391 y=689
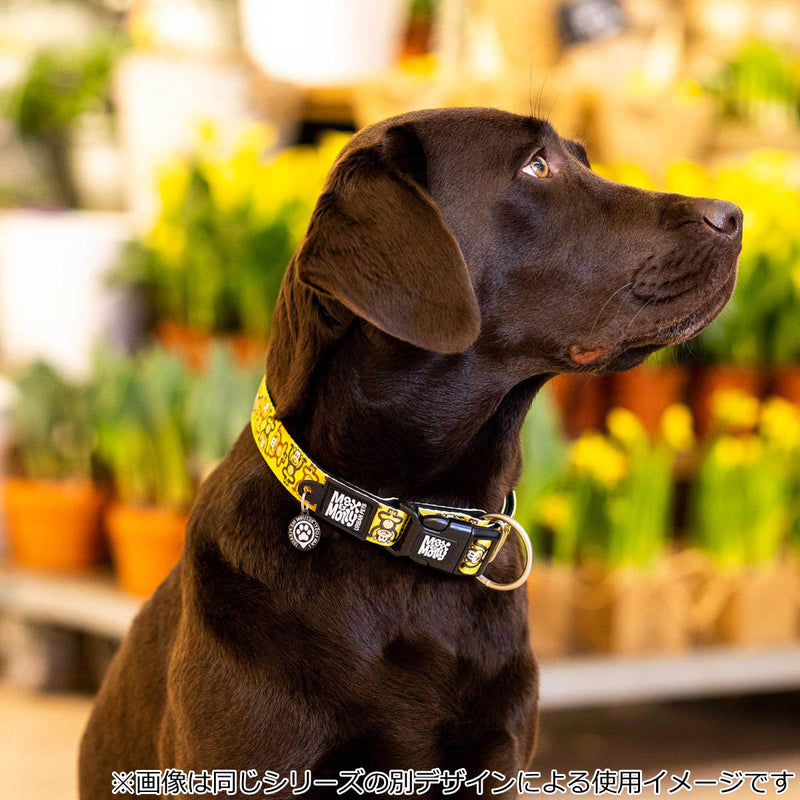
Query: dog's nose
x=723 y=217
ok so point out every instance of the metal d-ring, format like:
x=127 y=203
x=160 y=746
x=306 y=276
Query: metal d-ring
x=303 y=501
x=527 y=552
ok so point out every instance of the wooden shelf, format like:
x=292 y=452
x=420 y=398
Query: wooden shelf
x=95 y=604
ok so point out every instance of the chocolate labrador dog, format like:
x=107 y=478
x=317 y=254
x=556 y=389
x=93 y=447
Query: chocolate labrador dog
x=456 y=260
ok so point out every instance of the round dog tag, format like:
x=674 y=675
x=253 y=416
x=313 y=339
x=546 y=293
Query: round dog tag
x=304 y=532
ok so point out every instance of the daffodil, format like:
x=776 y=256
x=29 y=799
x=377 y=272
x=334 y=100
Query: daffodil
x=594 y=456
x=677 y=428
x=780 y=423
x=626 y=428
x=554 y=511
x=734 y=409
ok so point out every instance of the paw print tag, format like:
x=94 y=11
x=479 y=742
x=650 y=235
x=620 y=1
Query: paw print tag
x=304 y=532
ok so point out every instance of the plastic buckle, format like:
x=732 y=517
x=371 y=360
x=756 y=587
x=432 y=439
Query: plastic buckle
x=438 y=541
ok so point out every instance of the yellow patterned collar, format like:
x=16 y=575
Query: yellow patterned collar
x=457 y=541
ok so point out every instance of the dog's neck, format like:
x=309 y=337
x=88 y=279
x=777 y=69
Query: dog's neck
x=393 y=419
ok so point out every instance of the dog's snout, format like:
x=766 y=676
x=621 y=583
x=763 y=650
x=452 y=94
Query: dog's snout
x=723 y=217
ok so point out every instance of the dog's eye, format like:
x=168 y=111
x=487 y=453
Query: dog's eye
x=537 y=167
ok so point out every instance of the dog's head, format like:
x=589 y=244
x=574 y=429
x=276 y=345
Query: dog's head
x=474 y=228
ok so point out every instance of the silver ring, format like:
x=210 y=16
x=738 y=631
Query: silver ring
x=527 y=551
x=303 y=501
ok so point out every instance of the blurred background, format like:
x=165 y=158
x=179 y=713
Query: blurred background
x=159 y=160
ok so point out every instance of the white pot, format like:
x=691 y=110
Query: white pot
x=54 y=301
x=323 y=42
x=162 y=101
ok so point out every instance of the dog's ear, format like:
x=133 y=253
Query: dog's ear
x=378 y=244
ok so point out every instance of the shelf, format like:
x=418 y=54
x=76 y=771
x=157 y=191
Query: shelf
x=95 y=604
x=713 y=672
x=91 y=603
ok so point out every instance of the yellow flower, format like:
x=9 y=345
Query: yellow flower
x=626 y=427
x=593 y=455
x=554 y=511
x=630 y=174
x=677 y=429
x=780 y=423
x=689 y=178
x=172 y=183
x=733 y=451
x=207 y=134
x=733 y=408
x=169 y=241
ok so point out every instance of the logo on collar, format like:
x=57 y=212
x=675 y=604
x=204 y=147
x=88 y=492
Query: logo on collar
x=346 y=510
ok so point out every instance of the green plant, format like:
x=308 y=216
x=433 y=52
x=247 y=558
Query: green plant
x=760 y=323
x=745 y=498
x=60 y=85
x=52 y=420
x=226 y=229
x=141 y=427
x=544 y=456
x=218 y=406
x=613 y=501
x=760 y=84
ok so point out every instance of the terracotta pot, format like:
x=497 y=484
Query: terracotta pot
x=248 y=349
x=786 y=383
x=54 y=525
x=649 y=391
x=583 y=401
x=712 y=379
x=191 y=344
x=418 y=37
x=550 y=601
x=146 y=543
x=628 y=611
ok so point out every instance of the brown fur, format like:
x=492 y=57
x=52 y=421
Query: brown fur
x=437 y=289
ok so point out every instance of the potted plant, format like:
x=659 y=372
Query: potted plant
x=227 y=226
x=545 y=512
x=58 y=87
x=52 y=507
x=649 y=390
x=785 y=338
x=627 y=483
x=756 y=328
x=742 y=518
x=142 y=440
x=218 y=406
x=582 y=399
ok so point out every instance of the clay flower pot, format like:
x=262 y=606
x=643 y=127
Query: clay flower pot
x=712 y=379
x=582 y=400
x=248 y=349
x=146 y=543
x=191 y=344
x=54 y=525
x=786 y=383
x=649 y=391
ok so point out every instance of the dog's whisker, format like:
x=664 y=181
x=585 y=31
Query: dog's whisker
x=605 y=305
x=636 y=315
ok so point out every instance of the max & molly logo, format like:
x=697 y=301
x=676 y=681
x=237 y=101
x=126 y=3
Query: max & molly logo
x=434 y=548
x=346 y=510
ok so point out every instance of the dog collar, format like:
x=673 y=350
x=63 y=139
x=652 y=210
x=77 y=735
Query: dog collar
x=459 y=541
